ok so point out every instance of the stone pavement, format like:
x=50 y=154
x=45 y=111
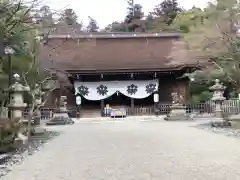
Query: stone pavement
x=133 y=150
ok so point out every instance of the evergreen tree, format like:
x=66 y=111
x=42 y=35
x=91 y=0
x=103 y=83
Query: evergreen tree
x=184 y=21
x=216 y=43
x=135 y=14
x=46 y=16
x=167 y=10
x=149 y=22
x=69 y=17
x=132 y=21
x=44 y=19
x=115 y=27
x=17 y=31
x=92 y=25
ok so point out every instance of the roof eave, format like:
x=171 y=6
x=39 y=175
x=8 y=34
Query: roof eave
x=114 y=35
x=166 y=69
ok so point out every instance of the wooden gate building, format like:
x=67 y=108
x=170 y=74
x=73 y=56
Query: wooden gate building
x=118 y=69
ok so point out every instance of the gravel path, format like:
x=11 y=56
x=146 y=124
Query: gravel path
x=133 y=150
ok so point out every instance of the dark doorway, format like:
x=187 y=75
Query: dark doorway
x=148 y=101
x=87 y=104
x=118 y=99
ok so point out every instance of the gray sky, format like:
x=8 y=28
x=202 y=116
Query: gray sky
x=107 y=11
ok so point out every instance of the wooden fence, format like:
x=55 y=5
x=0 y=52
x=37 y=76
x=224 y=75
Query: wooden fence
x=229 y=107
x=140 y=111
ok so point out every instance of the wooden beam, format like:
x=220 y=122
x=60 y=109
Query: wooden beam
x=132 y=106
x=117 y=71
x=78 y=113
x=102 y=107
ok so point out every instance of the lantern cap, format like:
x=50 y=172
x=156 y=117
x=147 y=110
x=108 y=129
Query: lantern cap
x=217 y=86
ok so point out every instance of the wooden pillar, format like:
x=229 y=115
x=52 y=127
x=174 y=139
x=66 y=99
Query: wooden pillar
x=61 y=89
x=60 y=93
x=184 y=89
x=102 y=107
x=78 y=114
x=132 y=106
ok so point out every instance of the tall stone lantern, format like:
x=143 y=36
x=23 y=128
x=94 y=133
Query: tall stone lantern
x=38 y=102
x=38 y=129
x=16 y=104
x=177 y=110
x=60 y=116
x=218 y=98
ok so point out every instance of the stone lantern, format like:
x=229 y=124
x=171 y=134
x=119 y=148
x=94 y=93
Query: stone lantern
x=177 y=109
x=38 y=102
x=37 y=115
x=218 y=98
x=17 y=104
x=48 y=85
x=60 y=116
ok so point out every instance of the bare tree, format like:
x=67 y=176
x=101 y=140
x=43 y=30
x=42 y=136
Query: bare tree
x=20 y=30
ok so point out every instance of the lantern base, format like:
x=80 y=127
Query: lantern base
x=177 y=113
x=39 y=130
x=60 y=118
x=219 y=122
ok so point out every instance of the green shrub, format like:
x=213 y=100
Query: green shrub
x=9 y=129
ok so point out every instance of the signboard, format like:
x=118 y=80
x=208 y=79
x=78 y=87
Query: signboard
x=118 y=112
x=78 y=100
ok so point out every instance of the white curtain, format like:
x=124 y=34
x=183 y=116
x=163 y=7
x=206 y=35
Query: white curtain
x=104 y=89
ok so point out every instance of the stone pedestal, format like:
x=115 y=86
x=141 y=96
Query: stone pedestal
x=38 y=129
x=60 y=116
x=177 y=110
x=234 y=120
x=21 y=139
x=177 y=113
x=37 y=118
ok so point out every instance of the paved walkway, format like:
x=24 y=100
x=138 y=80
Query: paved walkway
x=133 y=150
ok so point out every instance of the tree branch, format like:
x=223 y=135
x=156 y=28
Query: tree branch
x=222 y=69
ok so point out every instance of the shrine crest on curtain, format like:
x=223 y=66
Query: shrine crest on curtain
x=101 y=90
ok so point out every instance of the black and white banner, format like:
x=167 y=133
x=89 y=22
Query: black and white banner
x=104 y=89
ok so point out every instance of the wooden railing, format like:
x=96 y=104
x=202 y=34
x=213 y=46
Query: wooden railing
x=199 y=108
x=229 y=107
x=140 y=111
